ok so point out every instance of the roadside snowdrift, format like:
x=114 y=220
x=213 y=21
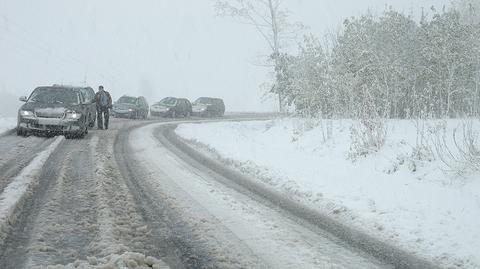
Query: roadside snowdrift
x=7 y=123
x=19 y=189
x=407 y=193
x=125 y=260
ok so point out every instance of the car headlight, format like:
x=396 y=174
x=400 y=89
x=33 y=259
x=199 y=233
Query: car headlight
x=26 y=113
x=130 y=109
x=73 y=115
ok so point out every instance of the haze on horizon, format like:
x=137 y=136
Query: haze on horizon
x=154 y=48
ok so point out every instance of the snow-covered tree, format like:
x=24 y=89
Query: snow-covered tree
x=469 y=10
x=270 y=19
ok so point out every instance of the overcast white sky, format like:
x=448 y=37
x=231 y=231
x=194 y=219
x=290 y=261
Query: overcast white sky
x=154 y=48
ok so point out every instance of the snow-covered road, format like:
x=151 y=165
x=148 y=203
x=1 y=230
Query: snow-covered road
x=128 y=197
x=263 y=236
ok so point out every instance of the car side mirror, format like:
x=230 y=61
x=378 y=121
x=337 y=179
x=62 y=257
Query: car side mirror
x=23 y=99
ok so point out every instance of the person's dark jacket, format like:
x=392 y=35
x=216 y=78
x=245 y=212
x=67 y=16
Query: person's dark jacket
x=98 y=101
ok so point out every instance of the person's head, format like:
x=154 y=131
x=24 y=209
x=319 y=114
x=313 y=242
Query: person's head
x=100 y=88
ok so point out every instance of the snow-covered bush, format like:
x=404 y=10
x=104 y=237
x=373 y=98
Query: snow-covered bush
x=410 y=68
x=367 y=136
x=460 y=150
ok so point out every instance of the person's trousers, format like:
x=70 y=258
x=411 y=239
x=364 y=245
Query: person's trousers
x=102 y=112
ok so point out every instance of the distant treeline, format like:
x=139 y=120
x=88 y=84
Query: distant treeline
x=388 y=66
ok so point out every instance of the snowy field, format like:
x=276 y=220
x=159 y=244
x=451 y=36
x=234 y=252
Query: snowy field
x=420 y=191
x=7 y=123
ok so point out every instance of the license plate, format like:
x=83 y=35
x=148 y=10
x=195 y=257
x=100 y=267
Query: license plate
x=50 y=121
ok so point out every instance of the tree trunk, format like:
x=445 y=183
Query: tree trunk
x=276 y=49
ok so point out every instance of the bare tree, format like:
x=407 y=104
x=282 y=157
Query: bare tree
x=270 y=19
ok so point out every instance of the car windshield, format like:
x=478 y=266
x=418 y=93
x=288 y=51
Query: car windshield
x=169 y=101
x=127 y=100
x=203 y=101
x=54 y=96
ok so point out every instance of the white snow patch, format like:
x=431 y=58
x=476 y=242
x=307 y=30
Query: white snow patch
x=7 y=123
x=115 y=261
x=15 y=192
x=415 y=203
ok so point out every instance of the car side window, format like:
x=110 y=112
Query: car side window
x=91 y=95
x=80 y=98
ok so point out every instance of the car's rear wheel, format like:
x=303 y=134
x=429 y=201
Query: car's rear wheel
x=92 y=120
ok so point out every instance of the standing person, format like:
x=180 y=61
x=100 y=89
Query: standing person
x=104 y=103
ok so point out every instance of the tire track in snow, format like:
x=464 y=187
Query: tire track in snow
x=383 y=251
x=80 y=212
x=65 y=225
x=121 y=227
x=232 y=217
x=20 y=188
x=174 y=235
x=16 y=153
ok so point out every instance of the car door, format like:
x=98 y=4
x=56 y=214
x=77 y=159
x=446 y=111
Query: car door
x=147 y=108
x=89 y=96
x=178 y=106
x=83 y=104
x=216 y=106
x=189 y=106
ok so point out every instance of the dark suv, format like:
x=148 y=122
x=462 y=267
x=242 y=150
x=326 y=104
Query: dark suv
x=172 y=107
x=54 y=110
x=208 y=107
x=131 y=107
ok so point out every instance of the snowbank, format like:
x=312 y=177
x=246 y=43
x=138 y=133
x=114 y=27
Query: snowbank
x=406 y=193
x=14 y=194
x=7 y=123
x=114 y=261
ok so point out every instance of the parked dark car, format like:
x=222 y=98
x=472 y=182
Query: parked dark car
x=131 y=107
x=89 y=95
x=172 y=107
x=208 y=107
x=53 y=110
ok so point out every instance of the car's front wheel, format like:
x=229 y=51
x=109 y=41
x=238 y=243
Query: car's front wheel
x=21 y=132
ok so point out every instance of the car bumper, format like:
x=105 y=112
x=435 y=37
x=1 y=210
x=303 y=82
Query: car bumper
x=198 y=113
x=50 y=125
x=160 y=113
x=123 y=113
